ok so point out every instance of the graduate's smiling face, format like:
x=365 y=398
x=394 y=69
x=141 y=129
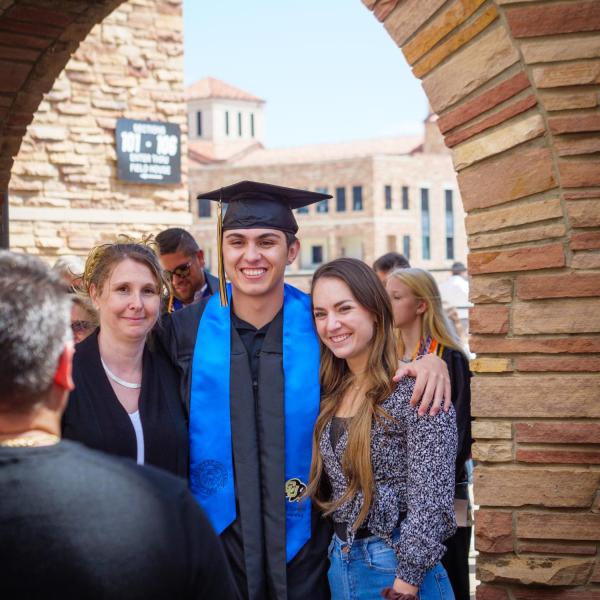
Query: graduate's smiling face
x=255 y=260
x=129 y=302
x=344 y=325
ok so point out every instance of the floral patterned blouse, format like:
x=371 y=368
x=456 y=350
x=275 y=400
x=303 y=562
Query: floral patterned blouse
x=413 y=461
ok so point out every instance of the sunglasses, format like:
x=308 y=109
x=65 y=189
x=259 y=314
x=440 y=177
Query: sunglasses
x=79 y=326
x=181 y=271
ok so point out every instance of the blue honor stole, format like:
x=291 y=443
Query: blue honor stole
x=211 y=450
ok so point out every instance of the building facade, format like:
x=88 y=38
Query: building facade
x=391 y=194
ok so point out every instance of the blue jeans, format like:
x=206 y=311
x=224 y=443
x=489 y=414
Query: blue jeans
x=370 y=566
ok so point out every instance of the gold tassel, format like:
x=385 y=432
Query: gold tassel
x=222 y=281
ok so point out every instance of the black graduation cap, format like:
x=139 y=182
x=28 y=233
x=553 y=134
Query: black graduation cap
x=255 y=205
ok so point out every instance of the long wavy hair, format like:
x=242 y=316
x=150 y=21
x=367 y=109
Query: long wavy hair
x=433 y=321
x=336 y=378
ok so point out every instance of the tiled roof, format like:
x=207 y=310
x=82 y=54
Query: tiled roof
x=323 y=152
x=209 y=87
x=207 y=152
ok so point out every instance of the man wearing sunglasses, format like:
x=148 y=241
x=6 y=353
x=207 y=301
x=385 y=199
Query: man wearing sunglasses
x=183 y=262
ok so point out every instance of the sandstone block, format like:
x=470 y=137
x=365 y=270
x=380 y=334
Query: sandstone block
x=585 y=260
x=583 y=121
x=489 y=290
x=585 y=241
x=563 y=17
x=485 y=184
x=488 y=319
x=521 y=259
x=558 y=433
x=550 y=50
x=495 y=430
x=71 y=108
x=581 y=144
x=384 y=8
x=48 y=132
x=533 y=396
x=488 y=592
x=492 y=452
x=516 y=108
x=454 y=42
x=565 y=100
x=516 y=236
x=555 y=547
x=408 y=16
x=26 y=41
x=482 y=102
x=534 y=571
x=493 y=531
x=579 y=172
x=521 y=486
x=490 y=365
x=516 y=131
x=569 y=457
x=35 y=14
x=580 y=364
x=486 y=57
x=513 y=214
x=564 y=74
x=584 y=213
x=561 y=285
x=556 y=525
x=13 y=75
x=68 y=158
x=439 y=26
x=557 y=316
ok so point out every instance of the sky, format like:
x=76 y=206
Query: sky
x=327 y=68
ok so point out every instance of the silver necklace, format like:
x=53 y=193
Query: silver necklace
x=127 y=384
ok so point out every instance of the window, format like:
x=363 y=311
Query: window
x=204 y=208
x=357 y=197
x=316 y=253
x=448 y=196
x=303 y=210
x=323 y=205
x=226 y=122
x=240 y=124
x=199 y=123
x=388 y=197
x=406 y=246
x=425 y=224
x=340 y=199
x=252 y=124
x=405 y=201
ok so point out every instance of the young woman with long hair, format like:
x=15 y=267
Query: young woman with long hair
x=384 y=474
x=422 y=329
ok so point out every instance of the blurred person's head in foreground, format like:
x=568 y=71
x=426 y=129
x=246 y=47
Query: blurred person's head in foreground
x=458 y=268
x=126 y=285
x=70 y=268
x=183 y=262
x=36 y=348
x=389 y=262
x=84 y=318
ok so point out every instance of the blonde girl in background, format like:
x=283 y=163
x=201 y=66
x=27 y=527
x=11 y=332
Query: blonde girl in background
x=421 y=329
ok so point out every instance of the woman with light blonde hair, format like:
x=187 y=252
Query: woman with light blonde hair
x=126 y=399
x=383 y=473
x=422 y=328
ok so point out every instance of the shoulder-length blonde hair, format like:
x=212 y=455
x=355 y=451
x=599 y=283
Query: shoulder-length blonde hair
x=433 y=321
x=336 y=379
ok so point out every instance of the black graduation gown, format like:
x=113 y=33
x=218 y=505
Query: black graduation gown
x=255 y=542
x=95 y=417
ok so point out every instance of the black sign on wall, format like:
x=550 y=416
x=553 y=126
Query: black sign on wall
x=148 y=151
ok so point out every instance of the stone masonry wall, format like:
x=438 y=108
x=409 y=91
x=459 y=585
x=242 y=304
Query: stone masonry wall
x=516 y=86
x=64 y=193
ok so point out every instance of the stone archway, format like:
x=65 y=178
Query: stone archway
x=515 y=85
x=37 y=39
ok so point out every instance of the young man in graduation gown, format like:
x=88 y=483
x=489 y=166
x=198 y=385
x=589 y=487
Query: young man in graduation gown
x=250 y=360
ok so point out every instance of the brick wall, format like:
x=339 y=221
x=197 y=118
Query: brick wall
x=64 y=192
x=515 y=85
